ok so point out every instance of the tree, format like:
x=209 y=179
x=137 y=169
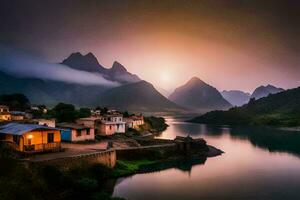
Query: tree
x=16 y=102
x=84 y=112
x=104 y=111
x=64 y=112
x=126 y=114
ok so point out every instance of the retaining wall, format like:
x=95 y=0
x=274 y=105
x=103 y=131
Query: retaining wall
x=107 y=158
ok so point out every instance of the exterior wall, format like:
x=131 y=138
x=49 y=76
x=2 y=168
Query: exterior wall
x=66 y=135
x=5 y=117
x=129 y=124
x=71 y=135
x=83 y=136
x=107 y=129
x=17 y=117
x=92 y=124
x=40 y=137
x=4 y=108
x=120 y=128
x=107 y=158
x=86 y=122
x=137 y=123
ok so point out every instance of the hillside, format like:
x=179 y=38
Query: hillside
x=50 y=92
x=264 y=91
x=140 y=96
x=236 y=97
x=199 y=96
x=277 y=109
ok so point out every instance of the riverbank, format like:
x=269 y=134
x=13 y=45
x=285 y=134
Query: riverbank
x=129 y=167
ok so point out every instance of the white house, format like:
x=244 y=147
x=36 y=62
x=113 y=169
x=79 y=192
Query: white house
x=111 y=124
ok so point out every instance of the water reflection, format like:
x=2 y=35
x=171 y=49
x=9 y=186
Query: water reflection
x=249 y=169
x=269 y=138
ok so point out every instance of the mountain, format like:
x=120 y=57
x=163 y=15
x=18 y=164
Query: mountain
x=43 y=89
x=264 y=91
x=163 y=91
x=236 y=97
x=51 y=92
x=140 y=96
x=276 y=109
x=199 y=96
x=90 y=63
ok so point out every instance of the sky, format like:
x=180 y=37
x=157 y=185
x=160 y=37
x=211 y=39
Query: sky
x=230 y=44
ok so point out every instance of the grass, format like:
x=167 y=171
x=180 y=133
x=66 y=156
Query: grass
x=128 y=167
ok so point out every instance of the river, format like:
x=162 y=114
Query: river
x=258 y=163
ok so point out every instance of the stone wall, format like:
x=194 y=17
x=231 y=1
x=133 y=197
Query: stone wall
x=147 y=152
x=107 y=158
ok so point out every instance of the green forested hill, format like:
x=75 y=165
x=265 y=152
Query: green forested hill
x=276 y=109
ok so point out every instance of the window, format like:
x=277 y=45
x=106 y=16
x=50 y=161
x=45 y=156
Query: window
x=88 y=131
x=50 y=137
x=78 y=133
x=110 y=127
x=16 y=139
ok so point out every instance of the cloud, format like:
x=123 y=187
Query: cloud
x=20 y=64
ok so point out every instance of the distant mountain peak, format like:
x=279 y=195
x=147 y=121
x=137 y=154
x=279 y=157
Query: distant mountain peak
x=117 y=67
x=86 y=62
x=198 y=95
x=91 y=56
x=236 y=97
x=90 y=63
x=263 y=91
x=149 y=99
x=195 y=80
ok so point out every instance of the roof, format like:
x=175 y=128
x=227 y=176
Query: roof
x=17 y=113
x=71 y=126
x=20 y=129
x=111 y=122
x=88 y=119
x=5 y=113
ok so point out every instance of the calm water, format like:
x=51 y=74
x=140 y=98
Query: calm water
x=259 y=163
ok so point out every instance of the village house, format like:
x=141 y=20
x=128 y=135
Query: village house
x=45 y=122
x=4 y=113
x=134 y=121
x=111 y=124
x=17 y=115
x=95 y=113
x=72 y=132
x=37 y=108
x=90 y=122
x=107 y=124
x=31 y=138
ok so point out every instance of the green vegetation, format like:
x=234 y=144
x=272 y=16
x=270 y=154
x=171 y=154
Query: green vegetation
x=282 y=109
x=16 y=101
x=64 y=112
x=67 y=112
x=84 y=112
x=154 y=124
x=34 y=182
x=128 y=167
